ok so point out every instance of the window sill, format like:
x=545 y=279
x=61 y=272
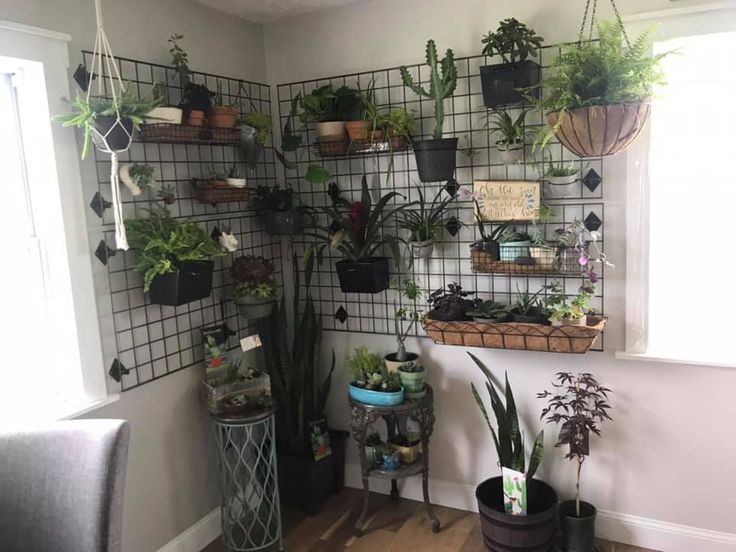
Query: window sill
x=75 y=410
x=649 y=357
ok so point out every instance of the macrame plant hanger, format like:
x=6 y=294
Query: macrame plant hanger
x=102 y=51
x=591 y=7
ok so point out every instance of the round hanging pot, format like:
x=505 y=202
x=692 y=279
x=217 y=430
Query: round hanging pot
x=600 y=130
x=578 y=532
x=435 y=158
x=113 y=135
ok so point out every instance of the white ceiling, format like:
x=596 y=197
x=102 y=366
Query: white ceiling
x=265 y=11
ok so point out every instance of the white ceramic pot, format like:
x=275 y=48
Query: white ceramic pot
x=236 y=182
x=571 y=322
x=393 y=365
x=330 y=130
x=171 y=115
x=422 y=249
x=545 y=256
x=562 y=186
x=510 y=154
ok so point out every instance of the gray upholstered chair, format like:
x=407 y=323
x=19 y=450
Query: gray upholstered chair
x=61 y=487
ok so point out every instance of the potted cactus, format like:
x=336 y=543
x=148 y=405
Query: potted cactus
x=255 y=288
x=372 y=383
x=435 y=157
x=514 y=42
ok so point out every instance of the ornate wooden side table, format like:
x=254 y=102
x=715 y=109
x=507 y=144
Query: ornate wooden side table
x=362 y=416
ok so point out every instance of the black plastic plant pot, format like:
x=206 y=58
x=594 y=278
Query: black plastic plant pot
x=490 y=247
x=306 y=484
x=283 y=223
x=501 y=82
x=448 y=316
x=502 y=532
x=192 y=281
x=117 y=135
x=363 y=277
x=534 y=316
x=578 y=532
x=436 y=159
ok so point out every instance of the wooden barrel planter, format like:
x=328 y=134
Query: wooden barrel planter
x=600 y=130
x=502 y=532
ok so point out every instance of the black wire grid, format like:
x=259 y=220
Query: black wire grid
x=478 y=159
x=153 y=341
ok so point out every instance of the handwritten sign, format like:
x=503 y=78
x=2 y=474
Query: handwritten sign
x=501 y=200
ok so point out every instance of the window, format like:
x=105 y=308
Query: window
x=680 y=303
x=50 y=337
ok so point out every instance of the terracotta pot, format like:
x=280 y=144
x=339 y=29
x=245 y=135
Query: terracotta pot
x=357 y=130
x=601 y=130
x=196 y=117
x=222 y=116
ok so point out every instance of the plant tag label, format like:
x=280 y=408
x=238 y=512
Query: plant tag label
x=514 y=492
x=250 y=342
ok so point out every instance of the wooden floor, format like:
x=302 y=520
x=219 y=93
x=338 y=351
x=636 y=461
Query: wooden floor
x=393 y=526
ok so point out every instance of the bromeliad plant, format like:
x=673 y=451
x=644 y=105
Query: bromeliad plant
x=163 y=242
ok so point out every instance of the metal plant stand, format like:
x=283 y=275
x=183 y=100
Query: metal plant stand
x=362 y=416
x=251 y=512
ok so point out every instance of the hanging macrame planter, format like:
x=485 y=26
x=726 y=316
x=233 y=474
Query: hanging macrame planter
x=600 y=130
x=111 y=134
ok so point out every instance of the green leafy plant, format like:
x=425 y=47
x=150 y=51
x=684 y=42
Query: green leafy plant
x=412 y=292
x=442 y=82
x=558 y=307
x=358 y=229
x=253 y=276
x=87 y=112
x=179 y=57
x=400 y=122
x=485 y=236
x=527 y=303
x=513 y=41
x=511 y=130
x=317 y=174
x=561 y=168
x=273 y=198
x=602 y=72
x=425 y=222
x=507 y=436
x=452 y=303
x=489 y=309
x=142 y=175
x=511 y=235
x=262 y=123
x=326 y=103
x=196 y=97
x=163 y=242
x=292 y=359
x=412 y=368
x=369 y=372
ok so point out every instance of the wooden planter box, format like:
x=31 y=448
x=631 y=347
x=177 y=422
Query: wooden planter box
x=512 y=335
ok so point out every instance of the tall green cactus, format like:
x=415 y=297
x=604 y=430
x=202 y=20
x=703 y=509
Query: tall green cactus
x=442 y=82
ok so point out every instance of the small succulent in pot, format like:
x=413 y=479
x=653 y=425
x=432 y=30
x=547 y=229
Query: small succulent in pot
x=489 y=311
x=563 y=311
x=452 y=303
x=412 y=375
x=528 y=308
x=369 y=372
x=255 y=288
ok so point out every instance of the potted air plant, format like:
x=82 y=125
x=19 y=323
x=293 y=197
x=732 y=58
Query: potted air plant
x=515 y=43
x=234 y=178
x=405 y=318
x=542 y=250
x=425 y=224
x=408 y=445
x=358 y=231
x=374 y=449
x=279 y=210
x=513 y=244
x=562 y=311
x=489 y=312
x=510 y=145
x=516 y=511
x=528 y=308
x=436 y=157
x=174 y=257
x=255 y=290
x=561 y=177
x=451 y=304
x=578 y=404
x=221 y=115
x=372 y=383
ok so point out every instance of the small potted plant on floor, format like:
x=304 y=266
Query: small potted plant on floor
x=255 y=290
x=407 y=445
x=372 y=383
x=451 y=304
x=513 y=244
x=515 y=43
x=516 y=510
x=173 y=257
x=405 y=318
x=233 y=178
x=510 y=145
x=425 y=223
x=578 y=404
x=279 y=210
x=359 y=231
x=374 y=449
x=528 y=308
x=412 y=375
x=489 y=312
x=221 y=115
x=436 y=158
x=562 y=311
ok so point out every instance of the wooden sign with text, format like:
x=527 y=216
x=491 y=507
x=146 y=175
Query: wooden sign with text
x=502 y=200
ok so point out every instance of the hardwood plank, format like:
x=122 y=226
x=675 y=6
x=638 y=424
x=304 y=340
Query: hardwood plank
x=474 y=542
x=375 y=541
x=416 y=534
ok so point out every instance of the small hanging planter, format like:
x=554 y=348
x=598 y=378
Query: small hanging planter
x=254 y=308
x=510 y=154
x=191 y=281
x=369 y=276
x=422 y=249
x=112 y=134
x=436 y=159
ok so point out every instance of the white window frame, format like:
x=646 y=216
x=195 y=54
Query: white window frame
x=54 y=171
x=671 y=23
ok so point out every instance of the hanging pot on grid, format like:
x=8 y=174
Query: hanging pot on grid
x=603 y=129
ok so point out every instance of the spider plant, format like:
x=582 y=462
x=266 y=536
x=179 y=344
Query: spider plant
x=425 y=222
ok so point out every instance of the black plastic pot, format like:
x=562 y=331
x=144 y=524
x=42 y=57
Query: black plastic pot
x=283 y=223
x=192 y=281
x=534 y=316
x=448 y=316
x=305 y=484
x=501 y=81
x=578 y=533
x=363 y=277
x=116 y=135
x=436 y=158
x=502 y=532
x=490 y=247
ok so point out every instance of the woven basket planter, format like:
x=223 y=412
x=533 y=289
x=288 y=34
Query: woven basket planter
x=213 y=196
x=601 y=130
x=523 y=337
x=484 y=263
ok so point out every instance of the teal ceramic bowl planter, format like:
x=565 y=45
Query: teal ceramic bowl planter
x=509 y=251
x=376 y=398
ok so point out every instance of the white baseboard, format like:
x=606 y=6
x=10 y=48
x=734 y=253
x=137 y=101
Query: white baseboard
x=196 y=537
x=624 y=528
